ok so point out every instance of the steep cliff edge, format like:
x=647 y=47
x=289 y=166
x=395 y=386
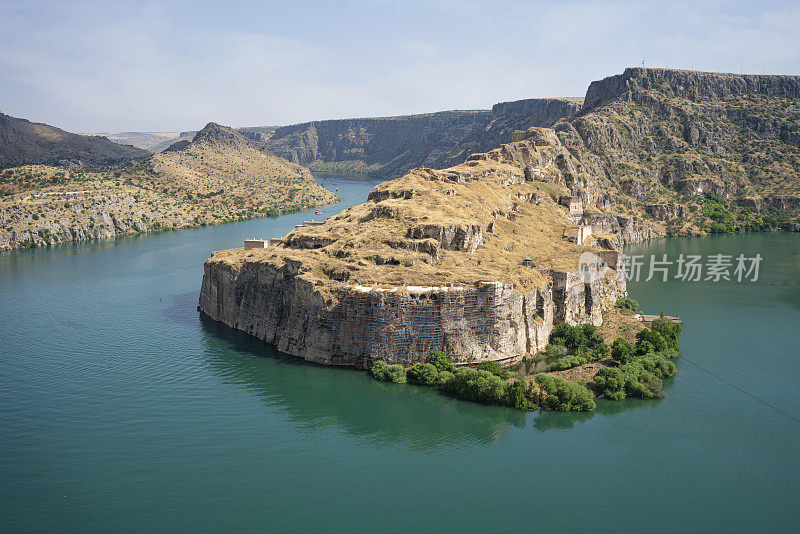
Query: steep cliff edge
x=665 y=139
x=391 y=146
x=479 y=260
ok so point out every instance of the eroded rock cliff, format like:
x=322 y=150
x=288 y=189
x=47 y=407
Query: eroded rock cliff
x=667 y=138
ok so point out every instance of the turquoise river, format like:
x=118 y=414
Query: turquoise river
x=122 y=410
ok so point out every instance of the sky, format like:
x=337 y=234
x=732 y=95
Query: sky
x=103 y=66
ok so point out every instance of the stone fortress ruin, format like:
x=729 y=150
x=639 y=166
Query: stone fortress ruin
x=475 y=260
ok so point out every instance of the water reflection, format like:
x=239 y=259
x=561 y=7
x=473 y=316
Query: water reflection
x=317 y=396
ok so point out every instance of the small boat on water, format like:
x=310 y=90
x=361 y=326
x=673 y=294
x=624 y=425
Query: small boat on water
x=318 y=212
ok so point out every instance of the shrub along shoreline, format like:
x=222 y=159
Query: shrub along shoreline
x=634 y=370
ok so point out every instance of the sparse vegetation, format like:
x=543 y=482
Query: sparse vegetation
x=628 y=304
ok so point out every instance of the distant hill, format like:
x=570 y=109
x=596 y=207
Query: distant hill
x=23 y=142
x=158 y=141
x=219 y=158
x=144 y=140
x=166 y=143
x=220 y=176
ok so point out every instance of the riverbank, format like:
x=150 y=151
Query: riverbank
x=51 y=205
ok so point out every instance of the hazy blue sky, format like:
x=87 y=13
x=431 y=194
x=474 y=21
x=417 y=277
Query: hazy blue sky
x=162 y=66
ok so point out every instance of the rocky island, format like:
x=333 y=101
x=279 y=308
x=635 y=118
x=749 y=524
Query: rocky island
x=479 y=262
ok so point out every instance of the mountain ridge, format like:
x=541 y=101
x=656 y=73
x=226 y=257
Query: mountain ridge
x=24 y=142
x=391 y=146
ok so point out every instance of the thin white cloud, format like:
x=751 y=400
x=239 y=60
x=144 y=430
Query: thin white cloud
x=93 y=66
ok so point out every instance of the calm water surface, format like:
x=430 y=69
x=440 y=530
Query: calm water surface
x=122 y=410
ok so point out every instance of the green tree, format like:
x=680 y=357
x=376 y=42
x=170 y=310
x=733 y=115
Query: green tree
x=622 y=351
x=440 y=360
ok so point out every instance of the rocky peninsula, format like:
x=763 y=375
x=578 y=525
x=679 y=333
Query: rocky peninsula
x=479 y=260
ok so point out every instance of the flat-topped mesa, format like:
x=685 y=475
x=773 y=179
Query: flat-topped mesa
x=474 y=260
x=689 y=84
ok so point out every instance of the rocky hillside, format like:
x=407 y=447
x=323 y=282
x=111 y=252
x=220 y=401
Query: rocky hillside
x=23 y=143
x=221 y=176
x=701 y=151
x=391 y=146
x=221 y=158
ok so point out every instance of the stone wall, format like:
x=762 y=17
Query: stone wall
x=491 y=321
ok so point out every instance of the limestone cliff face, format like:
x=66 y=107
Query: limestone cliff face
x=391 y=146
x=490 y=321
x=52 y=232
x=691 y=85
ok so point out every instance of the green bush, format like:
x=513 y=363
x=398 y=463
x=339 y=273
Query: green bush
x=495 y=368
x=518 y=393
x=568 y=335
x=622 y=351
x=476 y=385
x=423 y=374
x=565 y=396
x=444 y=376
x=441 y=361
x=567 y=362
x=649 y=341
x=668 y=330
x=628 y=304
x=584 y=337
x=583 y=343
x=670 y=352
x=555 y=350
x=716 y=209
x=388 y=373
x=639 y=378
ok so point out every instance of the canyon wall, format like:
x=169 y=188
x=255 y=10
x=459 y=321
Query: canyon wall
x=391 y=146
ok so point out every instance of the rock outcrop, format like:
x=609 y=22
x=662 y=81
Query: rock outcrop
x=664 y=139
